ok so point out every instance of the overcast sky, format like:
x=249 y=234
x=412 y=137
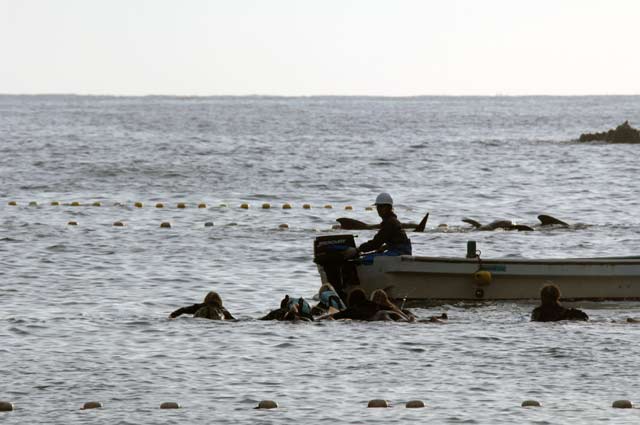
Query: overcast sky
x=323 y=47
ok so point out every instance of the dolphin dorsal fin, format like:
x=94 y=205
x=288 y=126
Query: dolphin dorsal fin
x=422 y=224
x=472 y=222
x=548 y=220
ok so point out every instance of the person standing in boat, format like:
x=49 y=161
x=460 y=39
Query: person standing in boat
x=391 y=239
x=551 y=310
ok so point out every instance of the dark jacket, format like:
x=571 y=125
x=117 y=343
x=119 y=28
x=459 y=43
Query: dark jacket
x=204 y=311
x=554 y=313
x=391 y=235
x=286 y=314
x=364 y=310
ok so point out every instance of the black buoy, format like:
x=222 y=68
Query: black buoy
x=471 y=249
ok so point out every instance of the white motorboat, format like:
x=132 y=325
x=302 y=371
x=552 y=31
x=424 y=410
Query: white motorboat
x=471 y=278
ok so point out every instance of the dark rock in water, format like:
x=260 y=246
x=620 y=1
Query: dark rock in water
x=623 y=133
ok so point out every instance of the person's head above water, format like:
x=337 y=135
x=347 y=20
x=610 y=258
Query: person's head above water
x=356 y=296
x=550 y=295
x=326 y=287
x=380 y=297
x=384 y=204
x=212 y=298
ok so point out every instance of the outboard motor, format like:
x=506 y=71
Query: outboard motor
x=329 y=255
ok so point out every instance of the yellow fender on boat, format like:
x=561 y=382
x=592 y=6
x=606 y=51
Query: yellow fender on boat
x=483 y=277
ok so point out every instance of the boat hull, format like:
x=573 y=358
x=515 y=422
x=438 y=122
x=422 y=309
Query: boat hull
x=437 y=278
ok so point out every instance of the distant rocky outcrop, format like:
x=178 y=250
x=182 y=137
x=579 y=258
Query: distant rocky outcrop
x=623 y=133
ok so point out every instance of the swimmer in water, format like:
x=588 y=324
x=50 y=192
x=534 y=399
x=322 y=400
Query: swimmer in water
x=330 y=301
x=358 y=307
x=388 y=310
x=291 y=309
x=211 y=308
x=551 y=310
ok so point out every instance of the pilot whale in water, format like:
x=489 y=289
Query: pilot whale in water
x=353 y=224
x=545 y=220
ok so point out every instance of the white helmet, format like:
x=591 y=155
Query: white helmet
x=384 y=199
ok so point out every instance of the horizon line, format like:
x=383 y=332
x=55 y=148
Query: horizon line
x=308 y=95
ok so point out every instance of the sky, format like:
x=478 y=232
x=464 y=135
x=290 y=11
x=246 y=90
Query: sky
x=320 y=47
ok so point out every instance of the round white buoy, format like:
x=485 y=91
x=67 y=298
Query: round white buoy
x=6 y=406
x=92 y=405
x=622 y=404
x=378 y=403
x=414 y=404
x=267 y=404
x=169 y=405
x=531 y=403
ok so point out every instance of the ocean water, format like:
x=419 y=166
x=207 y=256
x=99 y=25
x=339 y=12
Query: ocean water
x=84 y=308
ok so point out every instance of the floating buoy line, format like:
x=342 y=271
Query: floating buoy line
x=178 y=206
x=181 y=205
x=194 y=206
x=7 y=406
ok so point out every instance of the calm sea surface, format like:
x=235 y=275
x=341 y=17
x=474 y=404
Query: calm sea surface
x=83 y=308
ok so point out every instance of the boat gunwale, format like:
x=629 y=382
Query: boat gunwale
x=602 y=261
